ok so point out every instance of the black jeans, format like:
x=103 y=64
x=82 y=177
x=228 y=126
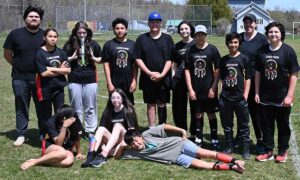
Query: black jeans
x=281 y=115
x=23 y=91
x=46 y=109
x=179 y=105
x=254 y=112
x=240 y=108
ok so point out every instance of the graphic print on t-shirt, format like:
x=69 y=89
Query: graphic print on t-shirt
x=200 y=66
x=271 y=69
x=122 y=57
x=231 y=79
x=54 y=61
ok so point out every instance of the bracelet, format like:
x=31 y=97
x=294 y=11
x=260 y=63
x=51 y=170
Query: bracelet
x=64 y=127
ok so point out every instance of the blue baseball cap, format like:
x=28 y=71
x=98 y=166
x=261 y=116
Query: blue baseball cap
x=154 y=16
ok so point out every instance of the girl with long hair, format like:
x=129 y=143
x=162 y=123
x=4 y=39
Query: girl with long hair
x=52 y=65
x=83 y=54
x=64 y=130
x=118 y=117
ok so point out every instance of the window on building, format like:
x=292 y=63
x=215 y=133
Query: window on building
x=259 y=21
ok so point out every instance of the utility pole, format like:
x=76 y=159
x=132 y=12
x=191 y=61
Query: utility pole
x=84 y=9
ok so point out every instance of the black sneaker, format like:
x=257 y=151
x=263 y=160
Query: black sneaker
x=215 y=146
x=98 y=161
x=228 y=149
x=259 y=147
x=90 y=157
x=246 y=153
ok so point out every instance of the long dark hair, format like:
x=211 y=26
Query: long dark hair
x=73 y=44
x=45 y=34
x=130 y=114
x=189 y=24
x=65 y=112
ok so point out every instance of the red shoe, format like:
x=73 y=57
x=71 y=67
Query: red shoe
x=264 y=157
x=282 y=158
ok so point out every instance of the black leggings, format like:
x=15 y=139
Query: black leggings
x=46 y=109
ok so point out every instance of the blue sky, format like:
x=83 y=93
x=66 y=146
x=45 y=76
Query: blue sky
x=270 y=4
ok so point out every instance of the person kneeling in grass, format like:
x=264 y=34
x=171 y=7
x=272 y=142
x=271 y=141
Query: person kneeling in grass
x=155 y=145
x=64 y=130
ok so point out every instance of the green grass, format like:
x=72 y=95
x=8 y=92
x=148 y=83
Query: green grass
x=11 y=157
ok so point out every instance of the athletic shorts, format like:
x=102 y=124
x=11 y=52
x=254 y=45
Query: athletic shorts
x=188 y=154
x=207 y=105
x=156 y=95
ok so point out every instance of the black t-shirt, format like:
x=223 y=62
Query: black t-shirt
x=120 y=57
x=83 y=73
x=154 y=53
x=24 y=45
x=275 y=68
x=233 y=72
x=116 y=117
x=201 y=63
x=54 y=132
x=48 y=86
x=251 y=49
x=179 y=56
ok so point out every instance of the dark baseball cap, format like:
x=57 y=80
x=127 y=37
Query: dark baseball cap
x=252 y=17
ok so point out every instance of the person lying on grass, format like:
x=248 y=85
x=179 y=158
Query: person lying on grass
x=155 y=145
x=64 y=130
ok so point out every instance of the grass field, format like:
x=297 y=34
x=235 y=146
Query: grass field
x=11 y=157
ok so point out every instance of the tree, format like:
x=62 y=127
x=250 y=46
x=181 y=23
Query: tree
x=222 y=25
x=220 y=8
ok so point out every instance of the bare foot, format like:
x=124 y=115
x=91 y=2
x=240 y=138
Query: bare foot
x=27 y=164
x=238 y=169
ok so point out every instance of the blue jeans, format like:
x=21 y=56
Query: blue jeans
x=23 y=91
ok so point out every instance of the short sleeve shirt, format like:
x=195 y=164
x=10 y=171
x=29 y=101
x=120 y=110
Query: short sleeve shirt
x=179 y=56
x=275 y=68
x=251 y=49
x=233 y=72
x=47 y=86
x=24 y=45
x=120 y=57
x=83 y=74
x=54 y=132
x=154 y=53
x=163 y=149
x=202 y=63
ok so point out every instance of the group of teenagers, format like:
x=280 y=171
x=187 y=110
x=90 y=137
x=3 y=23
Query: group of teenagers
x=258 y=78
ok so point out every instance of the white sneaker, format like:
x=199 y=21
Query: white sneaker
x=19 y=141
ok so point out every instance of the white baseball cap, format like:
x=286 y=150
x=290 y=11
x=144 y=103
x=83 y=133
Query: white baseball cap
x=200 y=28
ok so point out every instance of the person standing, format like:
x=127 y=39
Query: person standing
x=83 y=54
x=202 y=76
x=153 y=56
x=275 y=82
x=234 y=75
x=20 y=47
x=180 y=97
x=252 y=42
x=119 y=63
x=52 y=65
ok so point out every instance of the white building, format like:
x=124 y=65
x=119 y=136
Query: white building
x=262 y=16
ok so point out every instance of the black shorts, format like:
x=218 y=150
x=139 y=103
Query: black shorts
x=207 y=105
x=156 y=95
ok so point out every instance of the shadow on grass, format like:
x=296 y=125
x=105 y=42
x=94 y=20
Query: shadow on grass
x=32 y=137
x=238 y=150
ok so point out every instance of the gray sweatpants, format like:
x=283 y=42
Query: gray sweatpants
x=83 y=99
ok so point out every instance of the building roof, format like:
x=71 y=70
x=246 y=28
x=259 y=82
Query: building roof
x=250 y=8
